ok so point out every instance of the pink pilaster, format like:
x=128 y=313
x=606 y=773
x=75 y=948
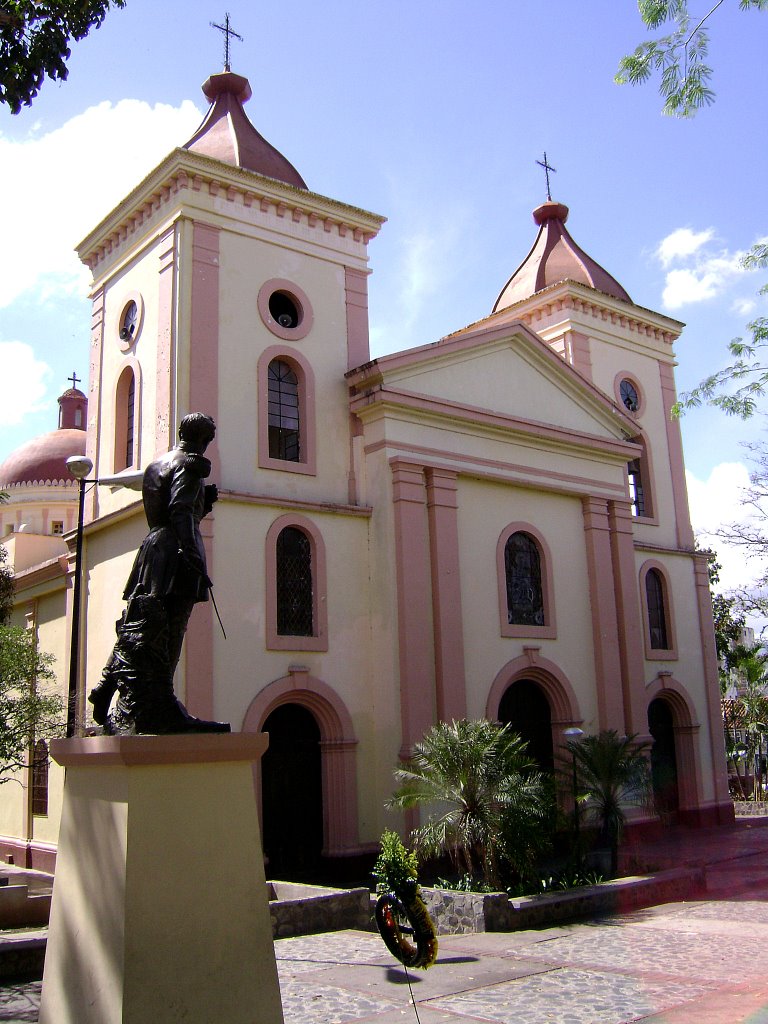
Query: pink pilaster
x=203 y=397
x=165 y=413
x=95 y=411
x=447 y=619
x=713 y=710
x=414 y=602
x=356 y=294
x=604 y=623
x=629 y=618
x=676 y=463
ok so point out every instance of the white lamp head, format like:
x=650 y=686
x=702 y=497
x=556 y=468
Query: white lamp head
x=574 y=733
x=79 y=466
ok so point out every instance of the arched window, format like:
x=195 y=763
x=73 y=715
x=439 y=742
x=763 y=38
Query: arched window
x=524 y=574
x=639 y=482
x=40 y=778
x=286 y=412
x=657 y=617
x=284 y=415
x=125 y=420
x=522 y=569
x=293 y=564
x=296 y=606
x=657 y=612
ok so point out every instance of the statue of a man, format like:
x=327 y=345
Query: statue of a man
x=169 y=576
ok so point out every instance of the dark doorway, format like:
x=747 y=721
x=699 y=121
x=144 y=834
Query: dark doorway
x=292 y=794
x=526 y=708
x=663 y=758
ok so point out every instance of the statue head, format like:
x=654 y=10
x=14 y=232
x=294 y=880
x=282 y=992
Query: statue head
x=196 y=431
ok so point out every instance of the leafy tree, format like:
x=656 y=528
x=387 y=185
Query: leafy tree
x=680 y=56
x=481 y=778
x=729 y=622
x=748 y=711
x=34 y=42
x=28 y=710
x=612 y=772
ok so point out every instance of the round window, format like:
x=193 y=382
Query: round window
x=285 y=309
x=129 y=319
x=129 y=322
x=629 y=396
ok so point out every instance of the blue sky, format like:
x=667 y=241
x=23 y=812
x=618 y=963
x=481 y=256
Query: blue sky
x=433 y=113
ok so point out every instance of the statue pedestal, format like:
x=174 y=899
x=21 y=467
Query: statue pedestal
x=160 y=908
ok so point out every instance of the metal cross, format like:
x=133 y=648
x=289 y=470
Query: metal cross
x=225 y=28
x=547 y=168
x=74 y=378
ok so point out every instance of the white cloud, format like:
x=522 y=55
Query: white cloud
x=695 y=271
x=54 y=188
x=682 y=242
x=744 y=307
x=24 y=382
x=715 y=502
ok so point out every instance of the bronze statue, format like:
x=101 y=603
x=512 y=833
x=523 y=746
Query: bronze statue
x=169 y=576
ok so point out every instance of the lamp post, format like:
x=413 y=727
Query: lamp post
x=79 y=466
x=574 y=734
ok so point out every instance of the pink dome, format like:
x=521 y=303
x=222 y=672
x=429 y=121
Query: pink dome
x=43 y=458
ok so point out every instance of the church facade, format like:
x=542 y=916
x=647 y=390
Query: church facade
x=493 y=525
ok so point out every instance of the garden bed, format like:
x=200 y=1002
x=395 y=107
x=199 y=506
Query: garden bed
x=297 y=909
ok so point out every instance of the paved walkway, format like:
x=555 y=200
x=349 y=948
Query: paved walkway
x=702 y=962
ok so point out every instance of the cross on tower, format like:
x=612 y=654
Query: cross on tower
x=74 y=378
x=225 y=28
x=547 y=168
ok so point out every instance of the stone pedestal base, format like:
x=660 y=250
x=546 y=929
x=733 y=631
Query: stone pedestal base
x=160 y=908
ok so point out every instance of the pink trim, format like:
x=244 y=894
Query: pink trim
x=513 y=332
x=641 y=399
x=448 y=624
x=605 y=639
x=676 y=463
x=274 y=640
x=549 y=629
x=563 y=702
x=130 y=367
x=28 y=853
x=338 y=751
x=654 y=653
x=138 y=751
x=714 y=714
x=479 y=417
x=414 y=602
x=362 y=511
x=628 y=616
x=203 y=397
x=686 y=729
x=165 y=412
x=485 y=467
x=300 y=300
x=356 y=298
x=307 y=426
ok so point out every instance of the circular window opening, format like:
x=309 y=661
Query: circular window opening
x=284 y=310
x=129 y=322
x=629 y=396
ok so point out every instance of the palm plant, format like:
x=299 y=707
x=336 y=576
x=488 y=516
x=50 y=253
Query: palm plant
x=477 y=778
x=750 y=668
x=612 y=773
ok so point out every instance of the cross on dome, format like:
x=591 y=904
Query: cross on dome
x=74 y=378
x=228 y=31
x=547 y=168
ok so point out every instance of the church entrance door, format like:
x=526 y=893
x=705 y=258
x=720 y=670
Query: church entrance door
x=526 y=708
x=292 y=795
x=663 y=759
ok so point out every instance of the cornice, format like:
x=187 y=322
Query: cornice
x=573 y=297
x=181 y=170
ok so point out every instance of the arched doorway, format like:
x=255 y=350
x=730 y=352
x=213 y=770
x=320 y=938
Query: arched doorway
x=292 y=794
x=663 y=757
x=526 y=708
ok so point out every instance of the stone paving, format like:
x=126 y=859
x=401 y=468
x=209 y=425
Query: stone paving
x=682 y=963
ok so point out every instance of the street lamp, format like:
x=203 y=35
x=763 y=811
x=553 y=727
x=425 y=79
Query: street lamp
x=574 y=734
x=79 y=466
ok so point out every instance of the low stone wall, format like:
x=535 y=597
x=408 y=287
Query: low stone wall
x=19 y=908
x=460 y=912
x=750 y=808
x=303 y=909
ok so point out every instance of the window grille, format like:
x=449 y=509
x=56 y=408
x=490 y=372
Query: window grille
x=294 y=583
x=522 y=566
x=657 y=619
x=283 y=415
x=40 y=778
